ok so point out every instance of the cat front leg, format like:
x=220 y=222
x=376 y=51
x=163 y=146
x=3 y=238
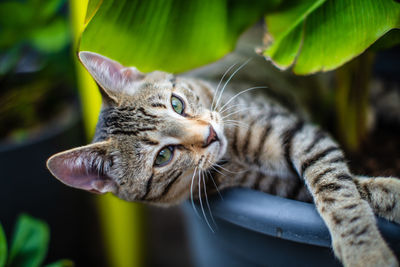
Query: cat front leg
x=382 y=194
x=317 y=159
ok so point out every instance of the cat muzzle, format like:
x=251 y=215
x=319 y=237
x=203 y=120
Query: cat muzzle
x=212 y=137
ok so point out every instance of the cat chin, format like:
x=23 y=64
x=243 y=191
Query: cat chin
x=216 y=152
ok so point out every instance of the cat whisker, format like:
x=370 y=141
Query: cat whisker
x=225 y=169
x=237 y=121
x=229 y=79
x=232 y=106
x=191 y=194
x=216 y=187
x=237 y=111
x=217 y=170
x=219 y=84
x=241 y=92
x=201 y=202
x=207 y=202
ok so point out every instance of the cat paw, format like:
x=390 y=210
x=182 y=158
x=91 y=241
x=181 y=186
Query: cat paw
x=387 y=196
x=368 y=256
x=383 y=196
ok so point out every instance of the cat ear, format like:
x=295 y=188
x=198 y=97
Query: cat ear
x=84 y=167
x=111 y=76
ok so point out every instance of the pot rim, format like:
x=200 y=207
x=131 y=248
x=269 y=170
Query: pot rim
x=62 y=121
x=282 y=218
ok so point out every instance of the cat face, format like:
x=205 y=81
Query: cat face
x=153 y=131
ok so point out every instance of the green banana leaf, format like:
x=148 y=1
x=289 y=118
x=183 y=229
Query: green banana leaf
x=170 y=35
x=321 y=35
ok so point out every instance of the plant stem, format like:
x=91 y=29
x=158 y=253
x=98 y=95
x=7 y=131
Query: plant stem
x=352 y=95
x=122 y=222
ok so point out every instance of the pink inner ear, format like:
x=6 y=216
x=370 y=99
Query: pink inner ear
x=106 y=71
x=77 y=170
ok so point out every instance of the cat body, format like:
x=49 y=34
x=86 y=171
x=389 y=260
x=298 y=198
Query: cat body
x=162 y=139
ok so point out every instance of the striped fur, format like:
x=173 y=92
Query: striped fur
x=261 y=146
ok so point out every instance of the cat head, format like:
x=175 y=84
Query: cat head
x=153 y=131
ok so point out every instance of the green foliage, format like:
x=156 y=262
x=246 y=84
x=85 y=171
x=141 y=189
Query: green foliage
x=321 y=35
x=31 y=18
x=171 y=35
x=3 y=247
x=52 y=38
x=28 y=246
x=29 y=242
x=177 y=35
x=31 y=23
x=36 y=67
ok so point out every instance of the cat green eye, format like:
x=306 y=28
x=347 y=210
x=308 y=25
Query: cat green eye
x=177 y=104
x=164 y=156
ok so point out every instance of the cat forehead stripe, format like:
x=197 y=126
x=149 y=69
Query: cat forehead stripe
x=129 y=120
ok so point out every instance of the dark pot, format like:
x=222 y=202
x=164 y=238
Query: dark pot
x=258 y=229
x=27 y=186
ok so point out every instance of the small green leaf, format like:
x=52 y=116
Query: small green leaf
x=51 y=38
x=29 y=242
x=170 y=35
x=61 y=263
x=289 y=16
x=333 y=32
x=3 y=247
x=284 y=51
x=285 y=29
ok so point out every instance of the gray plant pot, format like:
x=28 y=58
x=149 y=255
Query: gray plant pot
x=258 y=229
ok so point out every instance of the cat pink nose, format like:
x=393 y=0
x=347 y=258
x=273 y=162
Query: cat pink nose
x=212 y=137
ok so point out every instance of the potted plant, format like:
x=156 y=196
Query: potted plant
x=39 y=115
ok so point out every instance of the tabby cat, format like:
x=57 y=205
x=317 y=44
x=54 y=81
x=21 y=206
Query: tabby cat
x=158 y=136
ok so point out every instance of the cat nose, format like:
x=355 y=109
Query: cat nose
x=212 y=137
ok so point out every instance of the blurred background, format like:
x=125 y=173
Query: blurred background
x=48 y=104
